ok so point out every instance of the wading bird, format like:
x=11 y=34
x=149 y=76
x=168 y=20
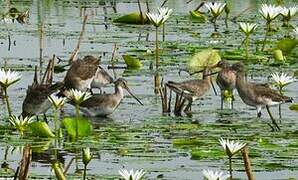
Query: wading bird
x=258 y=95
x=191 y=90
x=85 y=74
x=106 y=104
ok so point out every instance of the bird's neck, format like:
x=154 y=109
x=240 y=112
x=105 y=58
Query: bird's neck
x=119 y=91
x=240 y=79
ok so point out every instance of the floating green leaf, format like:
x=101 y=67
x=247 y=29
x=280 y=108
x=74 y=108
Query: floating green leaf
x=294 y=107
x=206 y=57
x=287 y=45
x=131 y=62
x=197 y=17
x=85 y=127
x=41 y=129
x=278 y=55
x=187 y=142
x=207 y=154
x=132 y=18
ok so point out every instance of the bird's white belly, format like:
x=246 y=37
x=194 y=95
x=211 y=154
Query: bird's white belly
x=83 y=85
x=97 y=111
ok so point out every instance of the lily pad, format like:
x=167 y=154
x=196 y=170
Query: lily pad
x=294 y=107
x=286 y=45
x=197 y=17
x=206 y=57
x=132 y=18
x=41 y=129
x=131 y=62
x=85 y=127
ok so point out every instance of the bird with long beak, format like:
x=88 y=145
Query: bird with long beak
x=226 y=80
x=106 y=104
x=191 y=90
x=258 y=95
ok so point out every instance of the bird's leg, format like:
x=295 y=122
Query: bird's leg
x=170 y=98
x=37 y=119
x=221 y=100
x=259 y=113
x=187 y=109
x=272 y=119
x=101 y=90
x=45 y=117
x=232 y=101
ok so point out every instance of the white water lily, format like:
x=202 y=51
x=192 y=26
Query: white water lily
x=131 y=175
x=8 y=77
x=247 y=28
x=214 y=175
x=288 y=12
x=78 y=96
x=216 y=8
x=282 y=79
x=157 y=19
x=269 y=12
x=20 y=123
x=165 y=12
x=231 y=147
x=57 y=102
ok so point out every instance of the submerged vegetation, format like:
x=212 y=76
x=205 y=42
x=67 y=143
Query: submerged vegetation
x=57 y=57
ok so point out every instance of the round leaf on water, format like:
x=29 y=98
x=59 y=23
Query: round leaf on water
x=131 y=62
x=132 y=18
x=287 y=45
x=207 y=57
x=41 y=129
x=294 y=107
x=85 y=127
x=197 y=17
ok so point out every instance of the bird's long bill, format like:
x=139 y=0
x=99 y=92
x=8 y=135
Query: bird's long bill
x=128 y=90
x=210 y=74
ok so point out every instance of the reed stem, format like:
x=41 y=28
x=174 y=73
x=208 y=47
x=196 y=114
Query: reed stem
x=266 y=35
x=7 y=101
x=230 y=167
x=156 y=49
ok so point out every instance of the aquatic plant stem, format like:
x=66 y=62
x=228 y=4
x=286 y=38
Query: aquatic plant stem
x=7 y=101
x=230 y=167
x=279 y=106
x=266 y=35
x=156 y=49
x=77 y=119
x=56 y=122
x=246 y=47
x=163 y=32
x=85 y=172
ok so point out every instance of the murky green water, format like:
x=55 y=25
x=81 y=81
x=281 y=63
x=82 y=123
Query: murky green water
x=137 y=136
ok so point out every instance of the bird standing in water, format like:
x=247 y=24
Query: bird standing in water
x=106 y=104
x=226 y=80
x=191 y=90
x=85 y=74
x=258 y=95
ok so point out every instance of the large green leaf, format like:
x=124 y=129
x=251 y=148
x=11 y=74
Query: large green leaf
x=286 y=45
x=206 y=57
x=85 y=127
x=41 y=129
x=197 y=17
x=132 y=18
x=131 y=62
